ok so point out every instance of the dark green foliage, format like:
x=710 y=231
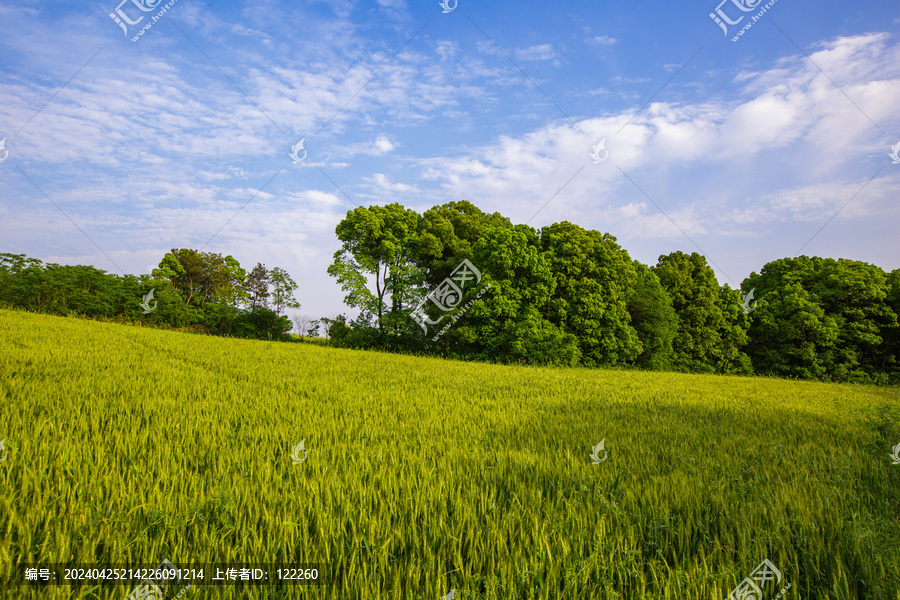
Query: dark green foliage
x=593 y=275
x=563 y=295
x=889 y=351
x=198 y=291
x=338 y=330
x=257 y=287
x=31 y=285
x=653 y=318
x=448 y=234
x=506 y=324
x=566 y=295
x=201 y=277
x=791 y=335
x=711 y=329
x=262 y=324
x=730 y=355
x=825 y=318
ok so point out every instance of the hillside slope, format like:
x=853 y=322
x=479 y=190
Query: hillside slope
x=421 y=476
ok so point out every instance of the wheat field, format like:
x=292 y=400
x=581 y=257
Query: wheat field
x=421 y=476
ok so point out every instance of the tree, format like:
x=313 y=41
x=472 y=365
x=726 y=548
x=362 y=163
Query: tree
x=791 y=335
x=19 y=281
x=851 y=298
x=379 y=241
x=337 y=330
x=314 y=326
x=653 y=318
x=263 y=324
x=730 y=356
x=709 y=321
x=890 y=348
x=447 y=235
x=183 y=268
x=282 y=290
x=226 y=279
x=257 y=287
x=506 y=323
x=303 y=324
x=202 y=277
x=593 y=275
x=325 y=323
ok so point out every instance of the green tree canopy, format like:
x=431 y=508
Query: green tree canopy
x=847 y=298
x=710 y=323
x=506 y=324
x=592 y=275
x=448 y=234
x=653 y=318
x=379 y=241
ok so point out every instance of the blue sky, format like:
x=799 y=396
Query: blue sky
x=745 y=149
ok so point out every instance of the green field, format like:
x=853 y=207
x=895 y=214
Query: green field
x=137 y=445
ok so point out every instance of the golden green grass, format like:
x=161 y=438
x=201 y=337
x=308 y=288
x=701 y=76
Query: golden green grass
x=135 y=445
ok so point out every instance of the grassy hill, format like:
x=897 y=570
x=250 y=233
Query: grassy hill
x=421 y=476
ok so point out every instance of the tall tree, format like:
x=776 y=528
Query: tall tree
x=20 y=282
x=506 y=323
x=225 y=279
x=791 y=335
x=730 y=355
x=854 y=295
x=593 y=275
x=653 y=318
x=448 y=234
x=184 y=269
x=257 y=287
x=890 y=349
x=202 y=277
x=282 y=290
x=709 y=322
x=379 y=241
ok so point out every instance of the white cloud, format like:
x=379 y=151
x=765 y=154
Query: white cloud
x=602 y=40
x=383 y=144
x=446 y=49
x=382 y=183
x=793 y=127
x=542 y=52
x=164 y=155
x=18 y=10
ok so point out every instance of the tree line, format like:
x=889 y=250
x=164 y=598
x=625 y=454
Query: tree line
x=571 y=296
x=560 y=295
x=197 y=291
